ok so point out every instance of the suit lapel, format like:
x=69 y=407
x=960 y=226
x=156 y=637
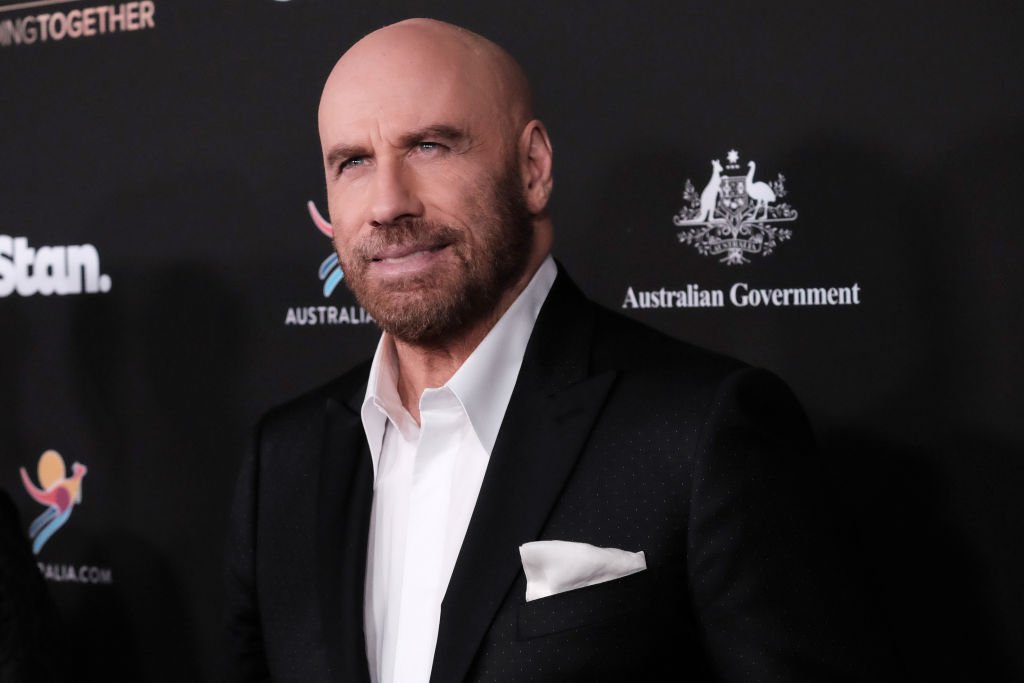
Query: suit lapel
x=549 y=417
x=345 y=495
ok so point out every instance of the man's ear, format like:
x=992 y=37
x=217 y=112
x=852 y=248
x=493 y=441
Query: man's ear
x=535 y=157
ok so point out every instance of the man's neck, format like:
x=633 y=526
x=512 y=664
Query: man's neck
x=429 y=366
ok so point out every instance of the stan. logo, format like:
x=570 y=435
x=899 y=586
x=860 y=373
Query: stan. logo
x=59 y=270
x=57 y=491
x=330 y=270
x=735 y=215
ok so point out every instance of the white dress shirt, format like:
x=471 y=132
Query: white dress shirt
x=426 y=480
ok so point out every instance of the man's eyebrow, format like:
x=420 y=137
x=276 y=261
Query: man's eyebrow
x=340 y=153
x=441 y=132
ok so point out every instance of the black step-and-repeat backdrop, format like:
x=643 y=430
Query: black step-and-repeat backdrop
x=829 y=190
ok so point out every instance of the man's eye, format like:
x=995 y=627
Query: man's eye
x=351 y=163
x=430 y=146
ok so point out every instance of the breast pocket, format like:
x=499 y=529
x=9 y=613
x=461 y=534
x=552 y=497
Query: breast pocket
x=602 y=602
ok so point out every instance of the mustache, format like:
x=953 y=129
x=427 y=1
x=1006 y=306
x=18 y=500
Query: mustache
x=412 y=233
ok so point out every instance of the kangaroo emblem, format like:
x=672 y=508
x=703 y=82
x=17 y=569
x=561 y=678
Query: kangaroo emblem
x=735 y=216
x=709 y=196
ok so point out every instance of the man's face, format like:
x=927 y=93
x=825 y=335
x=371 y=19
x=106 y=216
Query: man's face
x=430 y=224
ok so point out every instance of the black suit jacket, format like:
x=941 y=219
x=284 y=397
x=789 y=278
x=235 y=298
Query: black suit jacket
x=615 y=436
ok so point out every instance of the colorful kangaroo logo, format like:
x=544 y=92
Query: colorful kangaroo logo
x=59 y=493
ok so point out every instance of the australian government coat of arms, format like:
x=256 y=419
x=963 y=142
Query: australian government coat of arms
x=735 y=215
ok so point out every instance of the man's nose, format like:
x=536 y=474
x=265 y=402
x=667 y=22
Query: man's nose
x=394 y=195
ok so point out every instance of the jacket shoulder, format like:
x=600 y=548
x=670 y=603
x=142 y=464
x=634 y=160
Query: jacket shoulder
x=301 y=411
x=628 y=346
x=672 y=374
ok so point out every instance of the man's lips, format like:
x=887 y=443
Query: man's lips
x=407 y=260
x=398 y=254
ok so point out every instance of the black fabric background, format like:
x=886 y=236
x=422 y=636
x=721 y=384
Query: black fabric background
x=186 y=154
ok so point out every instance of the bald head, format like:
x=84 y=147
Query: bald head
x=424 y=54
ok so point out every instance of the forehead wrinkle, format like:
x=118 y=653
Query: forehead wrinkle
x=357 y=98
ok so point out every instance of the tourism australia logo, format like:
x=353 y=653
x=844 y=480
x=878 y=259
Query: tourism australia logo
x=331 y=275
x=57 y=491
x=735 y=216
x=330 y=270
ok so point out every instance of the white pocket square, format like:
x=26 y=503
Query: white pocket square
x=557 y=566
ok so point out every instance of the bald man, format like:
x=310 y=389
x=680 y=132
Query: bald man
x=520 y=485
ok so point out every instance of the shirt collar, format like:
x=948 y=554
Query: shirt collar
x=484 y=382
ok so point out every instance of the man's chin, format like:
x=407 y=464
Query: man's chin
x=400 y=290
x=412 y=309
